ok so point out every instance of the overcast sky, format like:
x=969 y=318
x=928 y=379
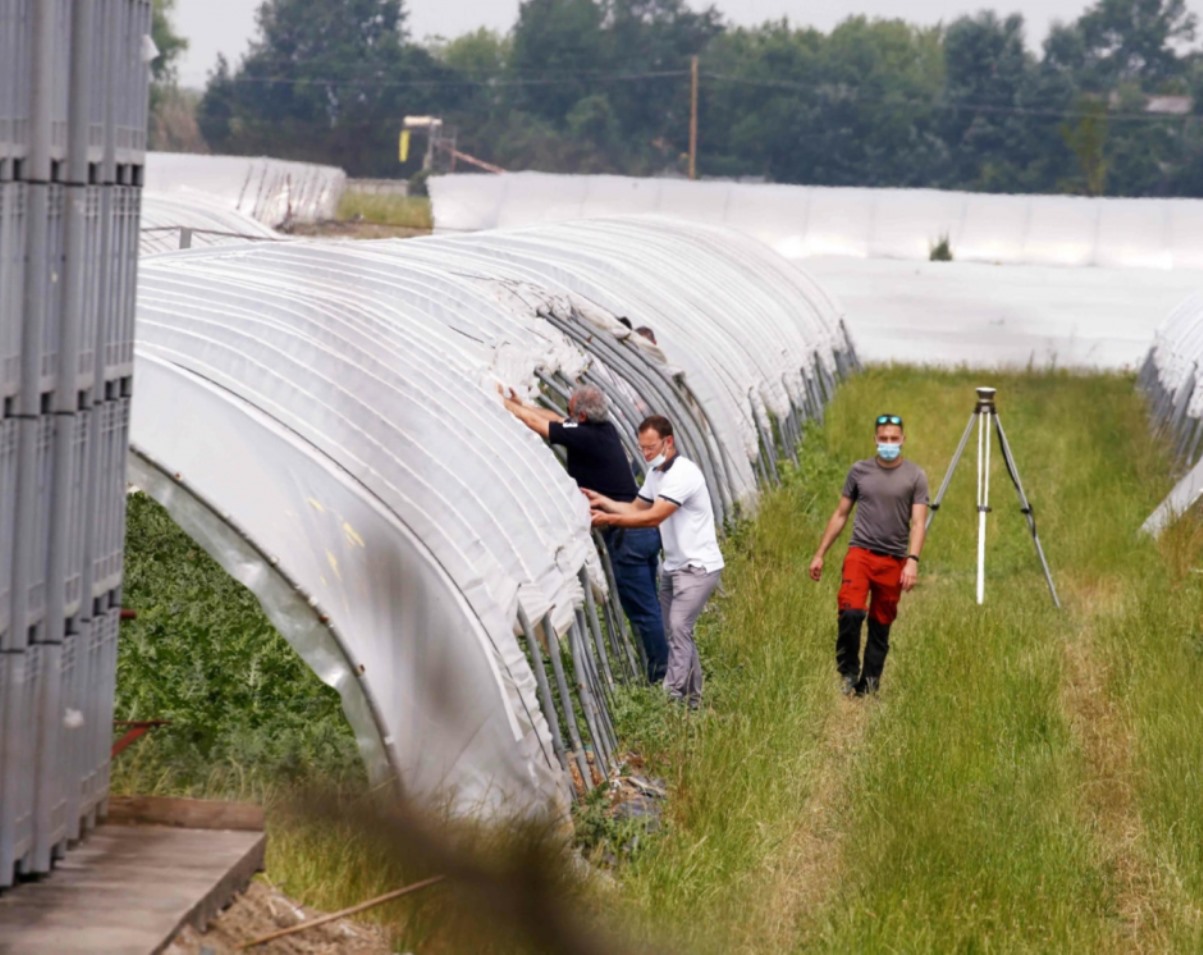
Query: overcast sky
x=226 y=26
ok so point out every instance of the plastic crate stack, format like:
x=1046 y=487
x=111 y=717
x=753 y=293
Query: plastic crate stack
x=73 y=110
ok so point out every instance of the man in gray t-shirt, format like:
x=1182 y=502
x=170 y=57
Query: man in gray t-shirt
x=890 y=496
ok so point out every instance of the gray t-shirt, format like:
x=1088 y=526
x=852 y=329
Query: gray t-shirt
x=883 y=498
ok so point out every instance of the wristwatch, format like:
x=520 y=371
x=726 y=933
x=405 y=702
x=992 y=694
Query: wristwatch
x=914 y=557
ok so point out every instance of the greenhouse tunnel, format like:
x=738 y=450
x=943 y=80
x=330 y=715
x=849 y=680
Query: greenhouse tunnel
x=1172 y=380
x=423 y=551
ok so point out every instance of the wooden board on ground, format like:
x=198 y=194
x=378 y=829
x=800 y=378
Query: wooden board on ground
x=185 y=813
x=128 y=889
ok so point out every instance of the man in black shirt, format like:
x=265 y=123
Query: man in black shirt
x=597 y=461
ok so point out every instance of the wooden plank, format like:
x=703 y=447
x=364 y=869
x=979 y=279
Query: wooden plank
x=185 y=813
x=234 y=882
x=127 y=890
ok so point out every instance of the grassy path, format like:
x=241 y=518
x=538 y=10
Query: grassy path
x=1027 y=780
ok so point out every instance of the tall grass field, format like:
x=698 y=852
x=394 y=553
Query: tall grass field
x=1027 y=780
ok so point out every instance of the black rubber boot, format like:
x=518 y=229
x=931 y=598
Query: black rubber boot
x=847 y=643
x=877 y=646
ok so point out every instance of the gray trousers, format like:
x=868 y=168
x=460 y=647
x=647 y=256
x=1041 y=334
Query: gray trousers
x=683 y=595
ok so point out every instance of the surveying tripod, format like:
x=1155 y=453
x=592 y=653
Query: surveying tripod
x=983 y=413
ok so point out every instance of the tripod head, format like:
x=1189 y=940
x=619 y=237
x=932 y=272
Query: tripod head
x=985 y=401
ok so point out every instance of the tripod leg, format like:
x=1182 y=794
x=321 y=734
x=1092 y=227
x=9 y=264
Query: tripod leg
x=983 y=500
x=1026 y=508
x=952 y=466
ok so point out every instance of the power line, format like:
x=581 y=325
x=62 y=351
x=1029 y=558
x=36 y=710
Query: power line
x=938 y=104
x=499 y=80
x=505 y=80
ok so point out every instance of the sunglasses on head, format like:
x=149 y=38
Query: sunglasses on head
x=888 y=419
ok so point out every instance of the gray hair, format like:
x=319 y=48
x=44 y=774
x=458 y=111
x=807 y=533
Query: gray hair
x=589 y=401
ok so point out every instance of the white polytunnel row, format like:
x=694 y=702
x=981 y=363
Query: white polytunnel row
x=1172 y=378
x=323 y=417
x=813 y=221
x=1014 y=297
x=175 y=220
x=270 y=191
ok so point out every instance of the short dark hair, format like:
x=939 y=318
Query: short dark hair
x=658 y=423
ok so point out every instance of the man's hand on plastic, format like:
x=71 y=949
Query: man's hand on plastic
x=816 y=568
x=598 y=502
x=601 y=518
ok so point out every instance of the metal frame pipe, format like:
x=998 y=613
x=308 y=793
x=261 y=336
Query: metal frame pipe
x=590 y=615
x=574 y=733
x=545 y=697
x=588 y=701
x=769 y=451
x=596 y=624
x=601 y=694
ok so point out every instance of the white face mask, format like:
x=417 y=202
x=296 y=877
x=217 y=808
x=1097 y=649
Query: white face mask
x=656 y=461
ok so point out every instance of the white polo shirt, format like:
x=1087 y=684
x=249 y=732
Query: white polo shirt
x=688 y=534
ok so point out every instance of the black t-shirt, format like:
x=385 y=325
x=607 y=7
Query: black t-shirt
x=595 y=457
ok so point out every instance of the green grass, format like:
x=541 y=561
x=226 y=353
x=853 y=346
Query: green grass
x=410 y=212
x=1027 y=781
x=962 y=810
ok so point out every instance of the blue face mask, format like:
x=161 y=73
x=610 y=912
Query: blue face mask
x=889 y=452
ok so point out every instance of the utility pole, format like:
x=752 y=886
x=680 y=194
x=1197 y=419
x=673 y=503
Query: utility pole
x=693 y=117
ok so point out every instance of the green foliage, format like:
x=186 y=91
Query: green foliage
x=1134 y=40
x=1087 y=138
x=326 y=81
x=246 y=713
x=603 y=86
x=169 y=43
x=410 y=212
x=604 y=836
x=172 y=122
x=941 y=250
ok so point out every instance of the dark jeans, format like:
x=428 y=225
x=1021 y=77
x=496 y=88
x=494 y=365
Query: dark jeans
x=635 y=552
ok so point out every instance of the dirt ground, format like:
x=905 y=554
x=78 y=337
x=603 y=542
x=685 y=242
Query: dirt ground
x=262 y=910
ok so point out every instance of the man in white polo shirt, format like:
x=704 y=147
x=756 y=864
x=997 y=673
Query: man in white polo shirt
x=674 y=497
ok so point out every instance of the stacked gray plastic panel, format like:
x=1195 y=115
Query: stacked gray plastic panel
x=73 y=109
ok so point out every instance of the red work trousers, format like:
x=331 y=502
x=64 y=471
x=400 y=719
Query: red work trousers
x=878 y=576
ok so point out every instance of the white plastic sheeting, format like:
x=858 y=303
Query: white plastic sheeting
x=806 y=221
x=1172 y=378
x=1008 y=299
x=271 y=191
x=987 y=316
x=206 y=221
x=323 y=417
x=743 y=326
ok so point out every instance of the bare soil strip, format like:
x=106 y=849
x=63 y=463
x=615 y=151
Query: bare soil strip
x=1148 y=899
x=808 y=866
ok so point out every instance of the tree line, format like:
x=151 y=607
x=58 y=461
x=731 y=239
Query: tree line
x=1110 y=104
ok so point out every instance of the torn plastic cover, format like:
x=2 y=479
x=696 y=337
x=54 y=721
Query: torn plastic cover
x=377 y=364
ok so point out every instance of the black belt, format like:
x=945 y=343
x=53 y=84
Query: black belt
x=882 y=553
